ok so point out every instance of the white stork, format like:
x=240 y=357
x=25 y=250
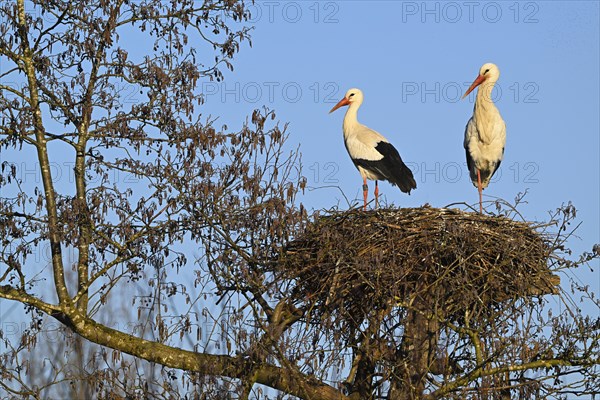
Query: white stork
x=372 y=154
x=485 y=134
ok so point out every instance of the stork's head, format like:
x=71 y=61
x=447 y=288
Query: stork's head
x=488 y=73
x=353 y=96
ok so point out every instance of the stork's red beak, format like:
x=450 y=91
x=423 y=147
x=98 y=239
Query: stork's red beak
x=475 y=83
x=342 y=102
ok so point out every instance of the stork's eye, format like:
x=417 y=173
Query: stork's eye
x=351 y=94
x=486 y=71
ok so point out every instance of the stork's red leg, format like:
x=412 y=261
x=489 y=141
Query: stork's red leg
x=479 y=188
x=376 y=196
x=365 y=193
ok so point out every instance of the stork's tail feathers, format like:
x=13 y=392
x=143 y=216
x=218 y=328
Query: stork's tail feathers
x=404 y=179
x=485 y=178
x=392 y=168
x=486 y=174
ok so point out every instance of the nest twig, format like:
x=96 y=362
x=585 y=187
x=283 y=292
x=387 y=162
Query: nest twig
x=351 y=263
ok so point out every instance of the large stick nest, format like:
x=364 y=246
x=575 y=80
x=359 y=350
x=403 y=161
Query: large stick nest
x=348 y=264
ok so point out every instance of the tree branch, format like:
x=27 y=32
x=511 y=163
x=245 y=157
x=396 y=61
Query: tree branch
x=481 y=372
x=304 y=386
x=42 y=151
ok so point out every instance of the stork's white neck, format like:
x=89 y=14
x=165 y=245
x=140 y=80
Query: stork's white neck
x=351 y=118
x=485 y=113
x=484 y=94
x=484 y=105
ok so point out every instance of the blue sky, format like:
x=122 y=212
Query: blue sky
x=413 y=61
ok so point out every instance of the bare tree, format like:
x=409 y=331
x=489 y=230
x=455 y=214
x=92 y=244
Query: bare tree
x=233 y=286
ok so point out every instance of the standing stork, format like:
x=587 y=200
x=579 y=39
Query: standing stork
x=485 y=134
x=372 y=154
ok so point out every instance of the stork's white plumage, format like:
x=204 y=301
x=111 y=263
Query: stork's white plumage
x=372 y=154
x=485 y=134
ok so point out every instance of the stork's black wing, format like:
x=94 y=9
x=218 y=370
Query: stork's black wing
x=390 y=167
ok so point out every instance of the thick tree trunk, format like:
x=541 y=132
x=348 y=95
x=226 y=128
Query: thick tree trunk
x=417 y=351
